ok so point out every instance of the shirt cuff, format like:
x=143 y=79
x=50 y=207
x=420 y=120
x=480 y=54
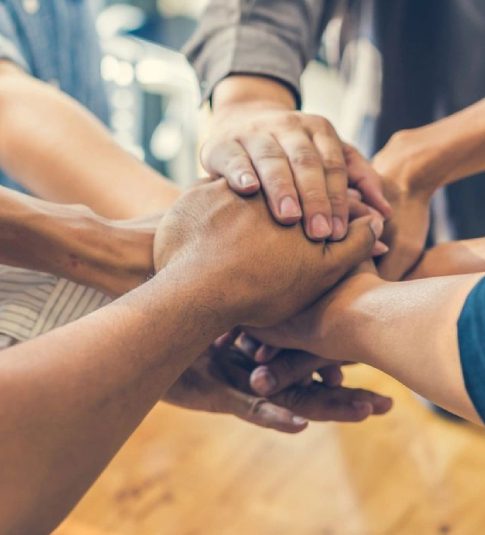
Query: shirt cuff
x=9 y=52
x=245 y=50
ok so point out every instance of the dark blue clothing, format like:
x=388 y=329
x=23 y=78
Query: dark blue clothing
x=471 y=339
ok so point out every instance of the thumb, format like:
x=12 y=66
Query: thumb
x=345 y=255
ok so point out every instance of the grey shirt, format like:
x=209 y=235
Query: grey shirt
x=275 y=38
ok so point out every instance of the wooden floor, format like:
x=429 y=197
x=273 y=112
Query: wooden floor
x=183 y=473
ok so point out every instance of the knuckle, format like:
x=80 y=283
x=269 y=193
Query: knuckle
x=320 y=123
x=257 y=413
x=292 y=120
x=305 y=157
x=334 y=164
x=314 y=195
x=294 y=397
x=276 y=182
x=338 y=200
x=268 y=150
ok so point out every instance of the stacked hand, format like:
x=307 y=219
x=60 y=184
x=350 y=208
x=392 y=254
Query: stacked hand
x=408 y=185
x=222 y=380
x=259 y=279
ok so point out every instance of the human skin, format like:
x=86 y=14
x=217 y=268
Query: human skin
x=406 y=329
x=414 y=164
x=73 y=242
x=65 y=418
x=61 y=152
x=258 y=139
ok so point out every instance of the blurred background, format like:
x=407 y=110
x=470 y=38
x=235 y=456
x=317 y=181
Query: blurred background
x=154 y=93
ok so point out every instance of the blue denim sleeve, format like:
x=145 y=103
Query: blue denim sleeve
x=471 y=341
x=10 y=48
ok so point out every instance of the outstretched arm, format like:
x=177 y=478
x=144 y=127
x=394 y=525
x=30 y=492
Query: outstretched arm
x=59 y=151
x=451 y=258
x=71 y=241
x=407 y=329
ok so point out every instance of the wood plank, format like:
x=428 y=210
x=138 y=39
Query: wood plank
x=182 y=473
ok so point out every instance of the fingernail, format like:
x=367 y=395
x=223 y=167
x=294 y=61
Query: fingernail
x=377 y=226
x=298 y=420
x=338 y=231
x=320 y=227
x=263 y=381
x=247 y=180
x=289 y=208
x=380 y=249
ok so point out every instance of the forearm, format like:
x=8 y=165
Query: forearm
x=74 y=243
x=63 y=419
x=461 y=139
x=408 y=330
x=59 y=151
x=442 y=152
x=452 y=258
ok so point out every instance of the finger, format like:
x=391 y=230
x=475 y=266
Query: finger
x=248 y=345
x=332 y=376
x=380 y=248
x=266 y=353
x=366 y=179
x=331 y=153
x=273 y=168
x=347 y=254
x=309 y=177
x=262 y=412
x=289 y=368
x=317 y=402
x=358 y=209
x=227 y=339
x=234 y=368
x=353 y=193
x=231 y=161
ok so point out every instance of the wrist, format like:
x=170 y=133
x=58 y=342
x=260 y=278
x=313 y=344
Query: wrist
x=89 y=249
x=346 y=323
x=213 y=301
x=253 y=92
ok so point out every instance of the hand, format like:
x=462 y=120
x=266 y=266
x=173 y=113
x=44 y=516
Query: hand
x=257 y=273
x=298 y=160
x=219 y=382
x=409 y=190
x=323 y=329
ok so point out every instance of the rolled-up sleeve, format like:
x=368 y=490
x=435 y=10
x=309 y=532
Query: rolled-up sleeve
x=10 y=47
x=274 y=38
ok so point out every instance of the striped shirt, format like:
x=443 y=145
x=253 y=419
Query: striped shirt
x=33 y=303
x=54 y=41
